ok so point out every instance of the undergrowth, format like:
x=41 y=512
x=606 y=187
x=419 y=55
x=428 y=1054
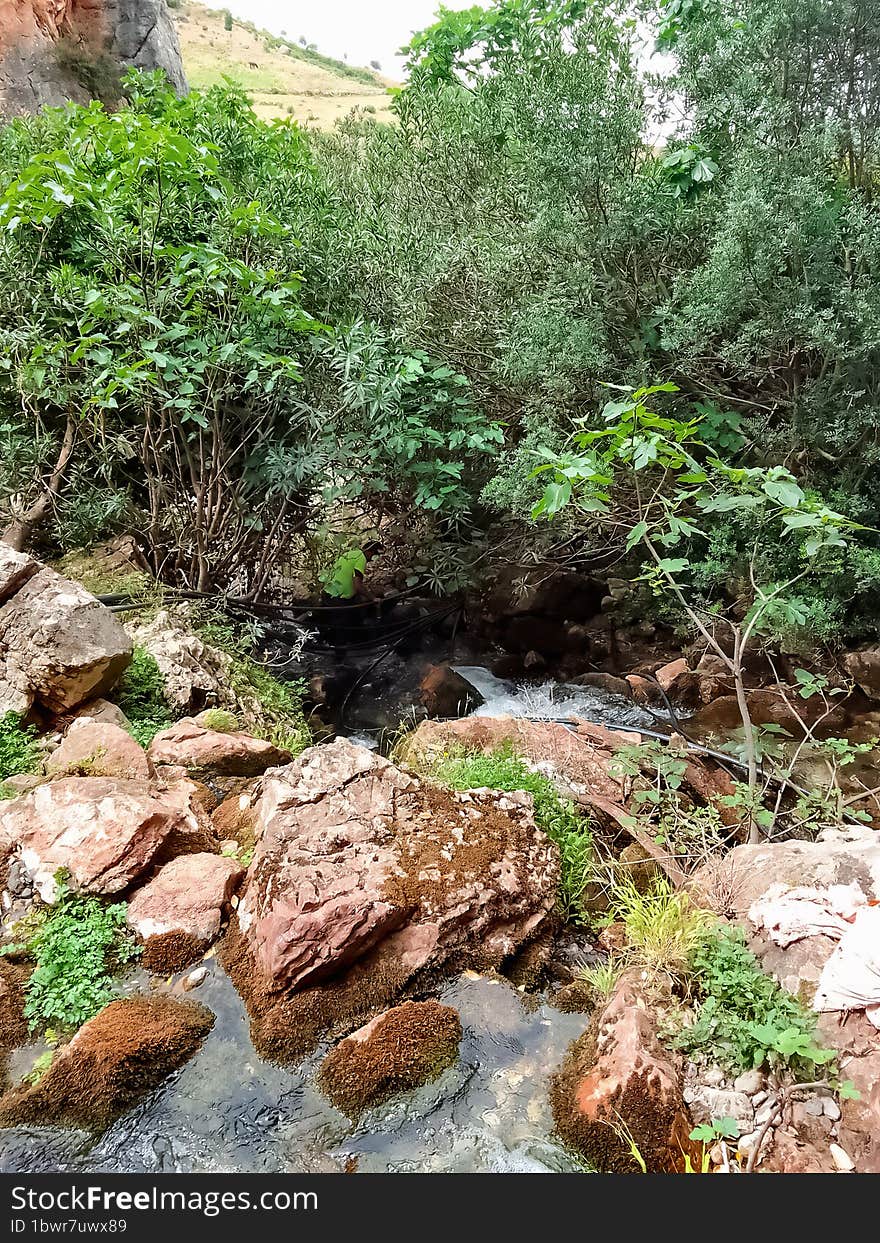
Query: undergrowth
x=744 y=1019
x=280 y=717
x=141 y=696
x=18 y=748
x=503 y=769
x=77 y=944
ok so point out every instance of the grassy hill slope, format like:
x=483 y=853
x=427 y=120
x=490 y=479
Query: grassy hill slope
x=282 y=78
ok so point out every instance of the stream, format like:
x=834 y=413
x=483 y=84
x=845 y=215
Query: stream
x=229 y=1111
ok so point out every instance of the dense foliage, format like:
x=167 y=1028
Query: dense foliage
x=244 y=341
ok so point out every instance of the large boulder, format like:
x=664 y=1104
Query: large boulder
x=366 y=879
x=395 y=1052
x=114 y=1059
x=58 y=645
x=103 y=831
x=195 y=675
x=197 y=748
x=619 y=1087
x=179 y=912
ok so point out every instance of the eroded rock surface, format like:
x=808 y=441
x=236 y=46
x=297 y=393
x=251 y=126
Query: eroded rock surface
x=103 y=831
x=197 y=748
x=179 y=912
x=619 y=1084
x=365 y=878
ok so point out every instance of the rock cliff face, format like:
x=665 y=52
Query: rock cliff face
x=52 y=51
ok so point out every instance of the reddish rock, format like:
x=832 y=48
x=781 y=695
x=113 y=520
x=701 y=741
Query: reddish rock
x=644 y=690
x=618 y=1085
x=395 y=1052
x=365 y=876
x=15 y=570
x=445 y=693
x=192 y=746
x=666 y=675
x=58 y=645
x=103 y=712
x=179 y=912
x=103 y=830
x=114 y=1059
x=766 y=707
x=96 y=749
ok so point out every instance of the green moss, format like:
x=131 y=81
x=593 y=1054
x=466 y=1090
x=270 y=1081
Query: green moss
x=558 y=817
x=220 y=721
x=18 y=749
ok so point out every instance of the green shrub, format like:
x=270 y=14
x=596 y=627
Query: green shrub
x=557 y=816
x=141 y=696
x=219 y=720
x=77 y=944
x=744 y=1019
x=18 y=750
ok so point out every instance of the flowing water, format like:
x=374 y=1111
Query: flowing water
x=555 y=701
x=229 y=1111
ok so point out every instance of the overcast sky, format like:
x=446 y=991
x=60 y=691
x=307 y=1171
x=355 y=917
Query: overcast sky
x=364 y=29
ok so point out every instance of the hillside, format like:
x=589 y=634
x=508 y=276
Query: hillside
x=283 y=79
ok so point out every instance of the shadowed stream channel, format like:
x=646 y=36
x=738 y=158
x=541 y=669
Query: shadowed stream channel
x=229 y=1111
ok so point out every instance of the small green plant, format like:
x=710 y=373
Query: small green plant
x=77 y=944
x=18 y=750
x=603 y=978
x=663 y=926
x=744 y=1019
x=141 y=696
x=40 y=1066
x=227 y=20
x=504 y=770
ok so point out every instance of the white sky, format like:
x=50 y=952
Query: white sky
x=364 y=29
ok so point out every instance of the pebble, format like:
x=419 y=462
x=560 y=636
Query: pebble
x=195 y=978
x=751 y=1082
x=842 y=1160
x=831 y=1109
x=764 y=1115
x=759 y=1098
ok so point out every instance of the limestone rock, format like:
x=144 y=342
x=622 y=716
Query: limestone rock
x=58 y=645
x=114 y=33
x=179 y=912
x=93 y=749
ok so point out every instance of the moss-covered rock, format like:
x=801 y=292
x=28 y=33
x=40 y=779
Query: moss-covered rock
x=395 y=1052
x=113 y=1060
